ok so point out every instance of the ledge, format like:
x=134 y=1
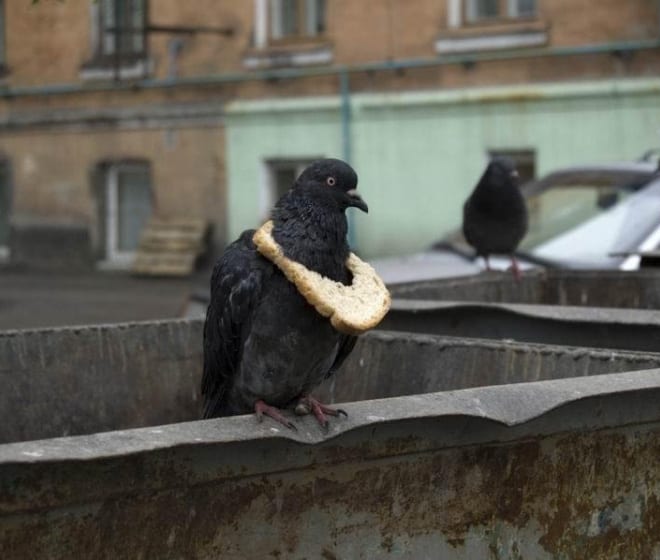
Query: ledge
x=492 y=37
x=103 y=69
x=295 y=54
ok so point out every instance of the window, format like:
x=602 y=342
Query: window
x=296 y=18
x=289 y=33
x=122 y=24
x=118 y=40
x=128 y=207
x=280 y=176
x=484 y=10
x=469 y=30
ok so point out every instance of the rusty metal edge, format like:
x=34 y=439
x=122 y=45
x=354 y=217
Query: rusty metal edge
x=508 y=405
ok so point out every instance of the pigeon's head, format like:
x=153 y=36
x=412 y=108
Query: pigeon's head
x=502 y=171
x=332 y=182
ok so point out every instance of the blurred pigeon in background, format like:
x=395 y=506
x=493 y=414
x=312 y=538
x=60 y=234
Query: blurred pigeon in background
x=495 y=214
x=265 y=347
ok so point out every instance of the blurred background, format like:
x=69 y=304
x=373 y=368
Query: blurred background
x=138 y=137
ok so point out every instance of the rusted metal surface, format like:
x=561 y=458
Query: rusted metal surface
x=557 y=469
x=481 y=459
x=638 y=289
x=625 y=329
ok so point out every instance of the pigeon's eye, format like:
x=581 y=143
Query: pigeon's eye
x=331 y=181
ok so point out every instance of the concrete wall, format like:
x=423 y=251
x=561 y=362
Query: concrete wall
x=418 y=155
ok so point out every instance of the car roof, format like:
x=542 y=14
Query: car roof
x=629 y=172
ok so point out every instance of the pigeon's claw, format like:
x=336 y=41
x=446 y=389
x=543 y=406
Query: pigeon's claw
x=310 y=404
x=261 y=408
x=515 y=269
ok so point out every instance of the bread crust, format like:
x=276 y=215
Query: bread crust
x=351 y=309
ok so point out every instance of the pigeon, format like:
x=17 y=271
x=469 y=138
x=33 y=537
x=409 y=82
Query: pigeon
x=265 y=347
x=495 y=214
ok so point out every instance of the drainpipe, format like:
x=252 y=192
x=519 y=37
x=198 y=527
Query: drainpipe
x=345 y=93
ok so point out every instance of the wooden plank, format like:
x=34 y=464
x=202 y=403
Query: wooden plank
x=170 y=247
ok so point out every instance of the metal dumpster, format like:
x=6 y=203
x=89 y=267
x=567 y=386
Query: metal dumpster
x=479 y=460
x=624 y=329
x=639 y=289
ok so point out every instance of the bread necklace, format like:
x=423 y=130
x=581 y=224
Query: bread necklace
x=351 y=309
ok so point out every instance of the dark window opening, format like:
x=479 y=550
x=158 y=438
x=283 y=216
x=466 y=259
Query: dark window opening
x=487 y=10
x=290 y=19
x=525 y=161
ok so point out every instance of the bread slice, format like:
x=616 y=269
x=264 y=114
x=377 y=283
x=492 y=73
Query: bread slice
x=351 y=309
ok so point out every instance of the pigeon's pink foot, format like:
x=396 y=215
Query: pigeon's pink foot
x=261 y=408
x=515 y=269
x=310 y=404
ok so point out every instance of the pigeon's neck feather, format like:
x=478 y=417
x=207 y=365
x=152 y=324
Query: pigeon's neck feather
x=313 y=235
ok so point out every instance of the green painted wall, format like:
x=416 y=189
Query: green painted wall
x=419 y=154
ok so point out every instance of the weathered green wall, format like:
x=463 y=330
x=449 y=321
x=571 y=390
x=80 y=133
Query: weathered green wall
x=419 y=154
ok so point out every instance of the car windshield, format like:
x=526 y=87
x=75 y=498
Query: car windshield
x=586 y=215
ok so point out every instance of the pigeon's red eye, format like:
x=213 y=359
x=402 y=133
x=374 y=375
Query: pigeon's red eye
x=331 y=181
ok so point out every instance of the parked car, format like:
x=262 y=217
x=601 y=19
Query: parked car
x=592 y=216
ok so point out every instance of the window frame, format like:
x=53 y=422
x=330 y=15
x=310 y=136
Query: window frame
x=106 y=46
x=106 y=65
x=3 y=37
x=307 y=27
x=508 y=10
x=112 y=171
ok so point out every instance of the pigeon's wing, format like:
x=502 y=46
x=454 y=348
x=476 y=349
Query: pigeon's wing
x=346 y=345
x=237 y=283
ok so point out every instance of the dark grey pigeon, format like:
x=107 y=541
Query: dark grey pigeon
x=265 y=347
x=495 y=214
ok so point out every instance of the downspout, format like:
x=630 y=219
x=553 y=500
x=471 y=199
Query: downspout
x=345 y=94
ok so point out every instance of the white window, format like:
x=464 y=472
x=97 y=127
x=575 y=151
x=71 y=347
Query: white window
x=484 y=10
x=122 y=24
x=278 y=178
x=118 y=40
x=468 y=29
x=296 y=18
x=128 y=208
x=289 y=33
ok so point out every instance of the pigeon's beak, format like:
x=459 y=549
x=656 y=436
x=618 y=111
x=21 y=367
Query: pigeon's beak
x=356 y=201
x=515 y=174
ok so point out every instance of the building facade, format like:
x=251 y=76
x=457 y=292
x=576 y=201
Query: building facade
x=118 y=110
